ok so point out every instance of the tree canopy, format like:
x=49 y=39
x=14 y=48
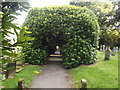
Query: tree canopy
x=108 y=18
x=101 y=9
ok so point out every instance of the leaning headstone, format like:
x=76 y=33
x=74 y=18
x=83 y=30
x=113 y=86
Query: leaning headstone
x=107 y=54
x=11 y=70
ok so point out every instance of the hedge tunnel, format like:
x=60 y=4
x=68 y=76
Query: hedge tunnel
x=74 y=29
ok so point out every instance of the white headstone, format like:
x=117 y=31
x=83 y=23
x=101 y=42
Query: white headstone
x=100 y=47
x=103 y=47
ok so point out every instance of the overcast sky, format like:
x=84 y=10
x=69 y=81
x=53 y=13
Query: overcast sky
x=40 y=3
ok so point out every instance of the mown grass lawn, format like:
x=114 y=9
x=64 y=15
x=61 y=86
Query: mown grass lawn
x=102 y=74
x=28 y=74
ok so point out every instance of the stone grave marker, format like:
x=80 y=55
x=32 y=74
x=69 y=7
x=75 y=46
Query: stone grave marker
x=11 y=70
x=117 y=49
x=103 y=47
x=100 y=47
x=107 y=54
x=113 y=51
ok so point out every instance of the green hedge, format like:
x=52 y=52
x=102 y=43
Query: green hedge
x=74 y=29
x=34 y=56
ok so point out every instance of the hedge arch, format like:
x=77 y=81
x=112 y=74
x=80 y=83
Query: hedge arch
x=74 y=29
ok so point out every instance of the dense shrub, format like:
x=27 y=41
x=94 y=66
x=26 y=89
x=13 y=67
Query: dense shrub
x=34 y=56
x=79 y=52
x=74 y=29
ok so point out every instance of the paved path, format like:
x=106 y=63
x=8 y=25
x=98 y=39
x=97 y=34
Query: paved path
x=53 y=75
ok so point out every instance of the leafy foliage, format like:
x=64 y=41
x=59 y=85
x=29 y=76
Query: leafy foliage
x=108 y=18
x=101 y=9
x=22 y=38
x=72 y=28
x=110 y=37
x=9 y=10
x=34 y=56
x=117 y=16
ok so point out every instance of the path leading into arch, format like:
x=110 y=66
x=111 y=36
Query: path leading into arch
x=53 y=75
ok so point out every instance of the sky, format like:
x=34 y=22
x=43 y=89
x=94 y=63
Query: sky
x=40 y=3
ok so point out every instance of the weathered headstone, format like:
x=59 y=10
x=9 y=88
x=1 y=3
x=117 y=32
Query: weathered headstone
x=116 y=49
x=113 y=51
x=11 y=70
x=107 y=54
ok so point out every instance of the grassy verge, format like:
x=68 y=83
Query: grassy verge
x=27 y=74
x=102 y=74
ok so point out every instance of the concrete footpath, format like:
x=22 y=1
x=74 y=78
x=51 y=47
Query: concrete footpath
x=53 y=75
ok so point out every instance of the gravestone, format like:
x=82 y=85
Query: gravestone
x=100 y=47
x=11 y=70
x=103 y=47
x=113 y=51
x=116 y=49
x=107 y=54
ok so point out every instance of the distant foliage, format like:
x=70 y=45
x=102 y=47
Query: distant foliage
x=101 y=9
x=74 y=29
